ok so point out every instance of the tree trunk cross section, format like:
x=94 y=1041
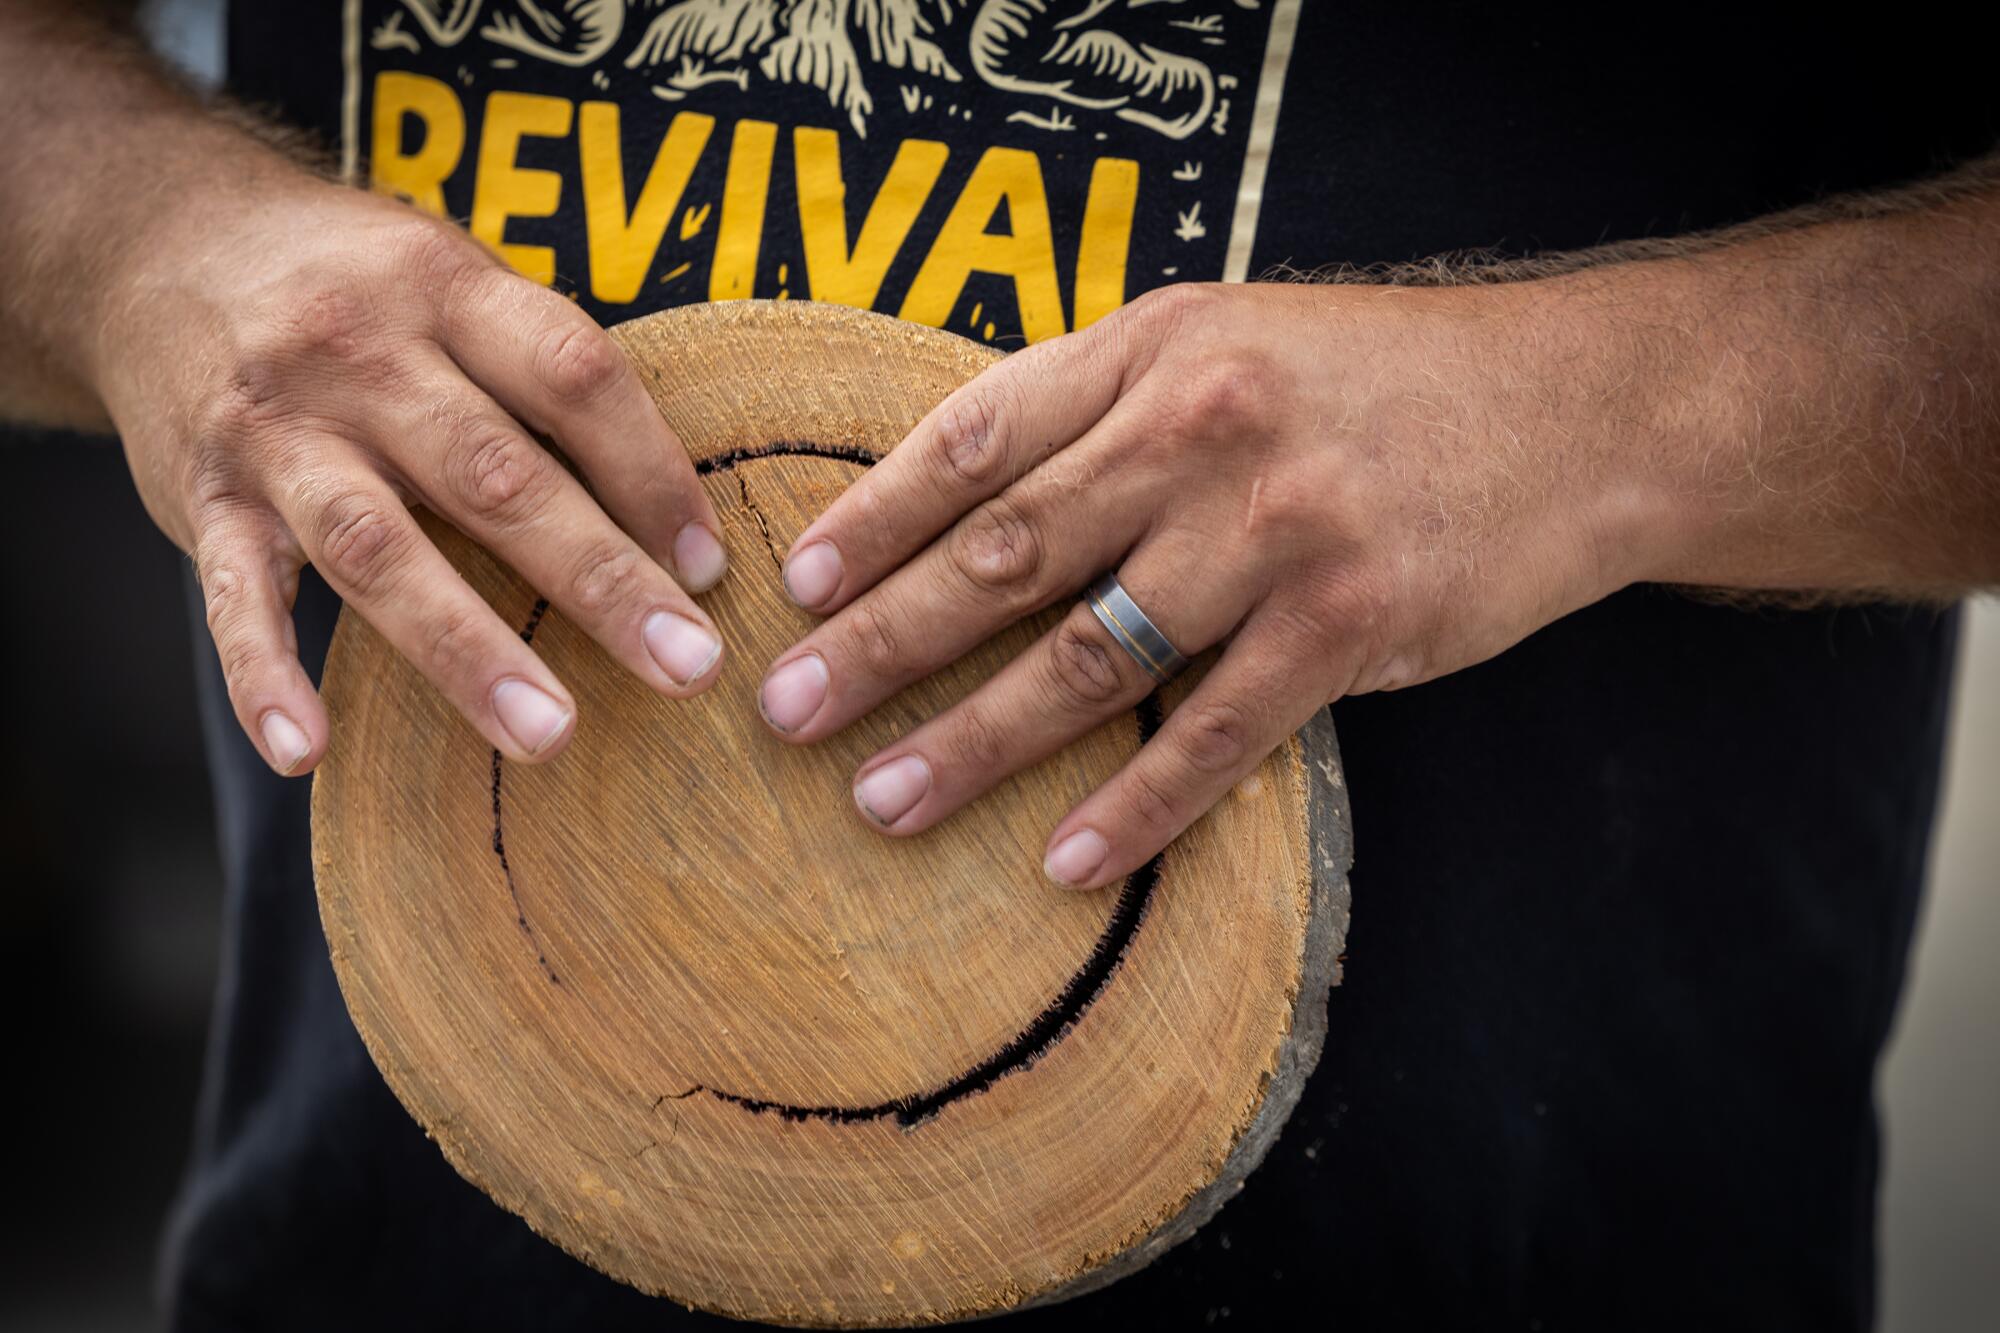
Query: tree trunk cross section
x=670 y=1001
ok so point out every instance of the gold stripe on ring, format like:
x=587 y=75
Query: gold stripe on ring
x=1132 y=645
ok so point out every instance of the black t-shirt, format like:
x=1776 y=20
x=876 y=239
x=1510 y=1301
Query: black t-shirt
x=1632 y=901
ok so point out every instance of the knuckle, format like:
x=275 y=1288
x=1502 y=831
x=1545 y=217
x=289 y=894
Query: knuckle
x=976 y=743
x=605 y=578
x=1232 y=392
x=230 y=595
x=577 y=363
x=455 y=645
x=872 y=638
x=1302 y=630
x=226 y=591
x=279 y=371
x=1282 y=513
x=1357 y=603
x=867 y=509
x=1170 y=305
x=359 y=541
x=997 y=549
x=451 y=272
x=1148 y=800
x=1083 y=669
x=968 y=435
x=1215 y=736
x=328 y=319
x=431 y=254
x=249 y=398
x=214 y=483
x=497 y=473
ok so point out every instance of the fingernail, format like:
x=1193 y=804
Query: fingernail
x=813 y=574
x=794 y=692
x=286 y=742
x=889 y=793
x=1076 y=858
x=699 y=558
x=683 y=649
x=531 y=716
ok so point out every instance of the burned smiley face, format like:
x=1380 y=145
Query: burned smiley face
x=1038 y=1030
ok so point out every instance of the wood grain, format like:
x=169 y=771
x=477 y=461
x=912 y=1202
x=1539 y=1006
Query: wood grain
x=668 y=999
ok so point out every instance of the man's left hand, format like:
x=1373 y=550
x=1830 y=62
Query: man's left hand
x=1347 y=488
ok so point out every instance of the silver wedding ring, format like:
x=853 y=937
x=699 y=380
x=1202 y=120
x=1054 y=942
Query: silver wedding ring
x=1134 y=630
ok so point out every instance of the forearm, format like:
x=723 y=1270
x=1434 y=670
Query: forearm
x=1820 y=405
x=105 y=150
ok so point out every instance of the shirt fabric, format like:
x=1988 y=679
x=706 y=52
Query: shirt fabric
x=1632 y=901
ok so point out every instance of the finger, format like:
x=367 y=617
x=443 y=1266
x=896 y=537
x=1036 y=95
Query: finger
x=369 y=548
x=1013 y=555
x=472 y=463
x=248 y=584
x=1072 y=680
x=972 y=446
x=1259 y=693
x=555 y=369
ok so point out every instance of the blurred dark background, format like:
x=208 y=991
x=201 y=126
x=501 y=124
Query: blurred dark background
x=107 y=858
x=113 y=894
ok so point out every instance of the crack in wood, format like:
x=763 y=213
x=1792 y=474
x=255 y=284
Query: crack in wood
x=763 y=528
x=499 y=837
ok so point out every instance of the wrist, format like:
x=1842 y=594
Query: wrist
x=1589 y=396
x=1660 y=399
x=111 y=245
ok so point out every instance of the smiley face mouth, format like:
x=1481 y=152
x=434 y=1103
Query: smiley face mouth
x=1036 y=1039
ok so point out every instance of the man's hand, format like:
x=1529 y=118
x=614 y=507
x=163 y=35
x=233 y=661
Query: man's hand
x=1331 y=480
x=292 y=363
x=289 y=379
x=1352 y=488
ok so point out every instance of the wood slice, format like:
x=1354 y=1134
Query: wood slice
x=668 y=999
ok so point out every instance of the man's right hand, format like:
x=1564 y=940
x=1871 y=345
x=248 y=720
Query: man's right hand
x=291 y=367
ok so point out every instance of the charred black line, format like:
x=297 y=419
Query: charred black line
x=844 y=453
x=1033 y=1041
